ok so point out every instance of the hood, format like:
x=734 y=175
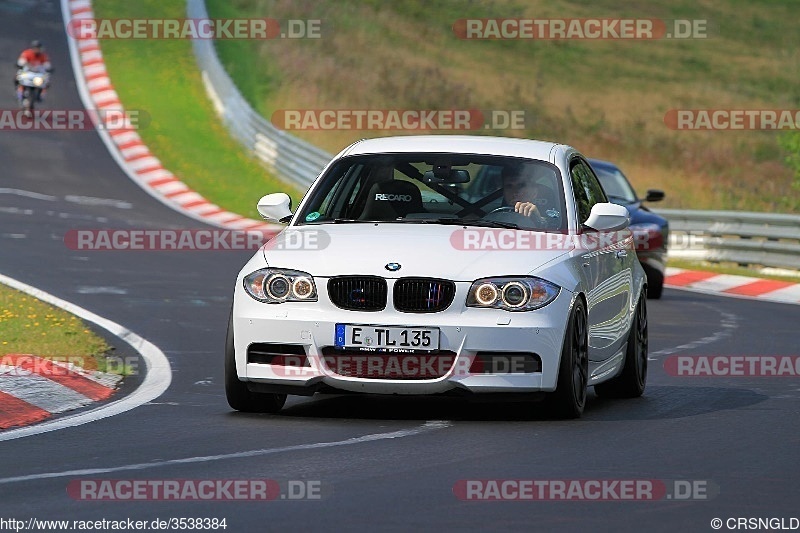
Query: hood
x=640 y=214
x=427 y=250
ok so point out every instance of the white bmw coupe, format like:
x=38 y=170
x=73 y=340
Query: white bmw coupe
x=443 y=265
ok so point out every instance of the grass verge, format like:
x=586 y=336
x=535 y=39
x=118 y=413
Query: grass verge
x=161 y=77
x=606 y=97
x=727 y=268
x=30 y=326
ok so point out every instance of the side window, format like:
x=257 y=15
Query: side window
x=586 y=188
x=582 y=201
x=486 y=181
x=493 y=181
x=594 y=184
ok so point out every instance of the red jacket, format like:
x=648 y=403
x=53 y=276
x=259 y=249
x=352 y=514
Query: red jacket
x=32 y=58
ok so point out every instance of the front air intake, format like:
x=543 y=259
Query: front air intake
x=423 y=295
x=358 y=293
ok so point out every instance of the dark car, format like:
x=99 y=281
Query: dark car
x=651 y=230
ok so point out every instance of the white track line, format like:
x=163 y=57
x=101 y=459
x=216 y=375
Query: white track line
x=427 y=426
x=29 y=194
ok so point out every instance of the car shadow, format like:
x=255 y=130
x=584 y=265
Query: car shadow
x=669 y=402
x=659 y=402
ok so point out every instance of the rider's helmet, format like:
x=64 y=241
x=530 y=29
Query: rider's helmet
x=36 y=44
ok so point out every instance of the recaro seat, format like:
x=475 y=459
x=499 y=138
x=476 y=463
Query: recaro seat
x=391 y=200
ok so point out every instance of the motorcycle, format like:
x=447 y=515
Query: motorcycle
x=30 y=83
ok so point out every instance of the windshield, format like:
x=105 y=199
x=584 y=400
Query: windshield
x=439 y=189
x=616 y=185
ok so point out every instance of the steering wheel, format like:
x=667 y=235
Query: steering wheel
x=536 y=223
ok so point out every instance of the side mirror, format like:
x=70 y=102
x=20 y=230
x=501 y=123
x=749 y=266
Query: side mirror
x=276 y=206
x=654 y=195
x=608 y=217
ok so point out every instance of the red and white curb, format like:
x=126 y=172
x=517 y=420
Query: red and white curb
x=33 y=389
x=125 y=145
x=736 y=286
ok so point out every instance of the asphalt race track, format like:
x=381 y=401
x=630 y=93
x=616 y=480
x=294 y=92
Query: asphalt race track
x=740 y=436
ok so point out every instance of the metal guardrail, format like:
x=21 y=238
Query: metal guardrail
x=764 y=239
x=292 y=159
x=725 y=236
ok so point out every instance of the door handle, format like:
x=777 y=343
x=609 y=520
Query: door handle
x=622 y=254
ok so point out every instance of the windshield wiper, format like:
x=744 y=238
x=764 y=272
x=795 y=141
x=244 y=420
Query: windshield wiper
x=444 y=221
x=389 y=221
x=350 y=221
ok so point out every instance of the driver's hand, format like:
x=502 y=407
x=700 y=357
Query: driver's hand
x=527 y=208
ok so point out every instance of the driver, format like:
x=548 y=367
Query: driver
x=521 y=192
x=33 y=58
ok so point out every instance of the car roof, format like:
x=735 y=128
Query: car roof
x=600 y=163
x=460 y=144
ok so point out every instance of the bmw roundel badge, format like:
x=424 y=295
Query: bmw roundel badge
x=392 y=267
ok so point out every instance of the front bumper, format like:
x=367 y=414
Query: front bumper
x=464 y=332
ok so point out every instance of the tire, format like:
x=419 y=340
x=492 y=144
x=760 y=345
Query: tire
x=237 y=393
x=569 y=398
x=655 y=284
x=631 y=382
x=27 y=103
x=654 y=291
x=29 y=99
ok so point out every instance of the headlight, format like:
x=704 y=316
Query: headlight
x=512 y=294
x=278 y=285
x=38 y=80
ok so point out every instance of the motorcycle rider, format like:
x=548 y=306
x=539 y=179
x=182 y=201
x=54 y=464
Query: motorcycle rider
x=33 y=58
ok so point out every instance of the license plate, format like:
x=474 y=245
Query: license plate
x=386 y=337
